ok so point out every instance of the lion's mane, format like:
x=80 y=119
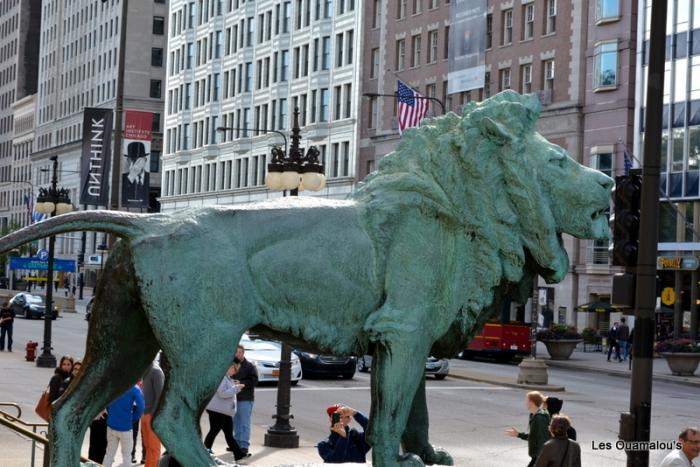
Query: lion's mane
x=456 y=168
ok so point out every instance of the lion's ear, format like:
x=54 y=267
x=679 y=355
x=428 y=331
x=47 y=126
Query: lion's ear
x=494 y=131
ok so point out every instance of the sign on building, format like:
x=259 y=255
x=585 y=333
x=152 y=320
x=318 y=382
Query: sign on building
x=136 y=159
x=96 y=157
x=466 y=51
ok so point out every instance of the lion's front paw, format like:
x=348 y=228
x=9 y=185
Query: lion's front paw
x=410 y=460
x=439 y=457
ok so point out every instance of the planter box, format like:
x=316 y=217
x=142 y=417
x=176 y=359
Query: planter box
x=682 y=363
x=561 y=349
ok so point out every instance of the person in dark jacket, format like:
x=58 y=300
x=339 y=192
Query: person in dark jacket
x=613 y=336
x=63 y=371
x=344 y=444
x=559 y=451
x=538 y=432
x=152 y=387
x=7 y=321
x=247 y=375
x=553 y=405
x=623 y=337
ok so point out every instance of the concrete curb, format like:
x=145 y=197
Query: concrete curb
x=694 y=382
x=500 y=381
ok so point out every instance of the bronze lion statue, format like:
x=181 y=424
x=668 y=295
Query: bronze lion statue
x=464 y=213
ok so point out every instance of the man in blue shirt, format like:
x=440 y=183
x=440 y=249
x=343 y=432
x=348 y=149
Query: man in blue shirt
x=122 y=413
x=344 y=444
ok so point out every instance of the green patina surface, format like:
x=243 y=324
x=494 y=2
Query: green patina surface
x=462 y=215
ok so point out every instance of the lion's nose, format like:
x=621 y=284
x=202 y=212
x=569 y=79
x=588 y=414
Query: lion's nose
x=606 y=182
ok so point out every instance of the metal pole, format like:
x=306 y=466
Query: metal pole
x=642 y=364
x=119 y=110
x=282 y=434
x=694 y=305
x=46 y=359
x=533 y=318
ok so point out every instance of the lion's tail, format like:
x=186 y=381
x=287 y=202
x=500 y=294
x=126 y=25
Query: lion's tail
x=122 y=224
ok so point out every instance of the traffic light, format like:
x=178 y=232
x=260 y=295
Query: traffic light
x=625 y=220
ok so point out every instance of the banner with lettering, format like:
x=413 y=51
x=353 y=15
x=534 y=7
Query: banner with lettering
x=466 y=53
x=96 y=157
x=136 y=159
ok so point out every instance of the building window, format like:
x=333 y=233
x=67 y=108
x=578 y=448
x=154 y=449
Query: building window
x=374 y=63
x=551 y=19
x=605 y=74
x=417 y=6
x=155 y=88
x=415 y=46
x=373 y=115
x=507 y=27
x=400 y=54
x=158 y=25
x=401 y=12
x=505 y=78
x=325 y=57
x=607 y=10
x=598 y=249
x=323 y=114
x=528 y=21
x=157 y=57
x=548 y=75
x=489 y=31
x=376 y=13
x=526 y=74
x=432 y=46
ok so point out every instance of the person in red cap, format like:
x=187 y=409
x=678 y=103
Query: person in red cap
x=344 y=444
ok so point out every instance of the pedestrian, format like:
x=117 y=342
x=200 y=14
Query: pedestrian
x=7 y=321
x=613 y=336
x=553 y=405
x=122 y=413
x=688 y=450
x=152 y=387
x=538 y=432
x=344 y=444
x=623 y=337
x=221 y=409
x=63 y=371
x=560 y=451
x=247 y=375
x=75 y=371
x=98 y=438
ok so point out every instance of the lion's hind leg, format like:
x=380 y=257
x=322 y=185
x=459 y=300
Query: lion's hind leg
x=415 y=436
x=120 y=345
x=196 y=366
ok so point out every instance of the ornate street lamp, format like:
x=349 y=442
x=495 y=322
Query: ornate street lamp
x=295 y=171
x=51 y=201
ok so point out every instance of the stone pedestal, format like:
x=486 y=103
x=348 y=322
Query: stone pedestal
x=532 y=371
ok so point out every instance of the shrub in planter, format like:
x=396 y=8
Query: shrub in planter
x=677 y=345
x=682 y=355
x=558 y=332
x=589 y=334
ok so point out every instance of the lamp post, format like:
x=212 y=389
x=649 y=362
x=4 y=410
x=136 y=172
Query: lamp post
x=396 y=96
x=51 y=201
x=290 y=170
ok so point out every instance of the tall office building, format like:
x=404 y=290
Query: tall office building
x=78 y=68
x=19 y=25
x=248 y=65
x=679 y=221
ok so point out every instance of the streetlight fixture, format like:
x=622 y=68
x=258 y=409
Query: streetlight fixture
x=396 y=96
x=52 y=201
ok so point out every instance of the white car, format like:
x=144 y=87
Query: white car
x=438 y=367
x=265 y=355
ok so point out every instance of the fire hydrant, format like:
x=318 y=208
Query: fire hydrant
x=31 y=351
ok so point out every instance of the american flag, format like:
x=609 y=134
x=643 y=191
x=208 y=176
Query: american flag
x=627 y=163
x=412 y=107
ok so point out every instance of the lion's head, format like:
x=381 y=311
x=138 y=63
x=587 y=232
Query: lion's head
x=490 y=174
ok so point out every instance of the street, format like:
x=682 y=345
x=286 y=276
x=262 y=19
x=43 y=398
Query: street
x=467 y=418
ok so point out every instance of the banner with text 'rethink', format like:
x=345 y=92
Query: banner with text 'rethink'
x=96 y=157
x=136 y=159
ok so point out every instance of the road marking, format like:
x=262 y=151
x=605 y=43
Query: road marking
x=367 y=388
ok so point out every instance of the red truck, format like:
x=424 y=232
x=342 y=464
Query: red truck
x=500 y=341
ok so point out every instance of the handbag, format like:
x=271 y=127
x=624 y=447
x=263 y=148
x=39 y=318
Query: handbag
x=43 y=407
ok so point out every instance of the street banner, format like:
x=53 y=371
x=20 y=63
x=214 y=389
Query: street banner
x=42 y=264
x=136 y=159
x=96 y=157
x=466 y=51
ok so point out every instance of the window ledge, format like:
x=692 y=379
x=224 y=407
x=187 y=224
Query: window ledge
x=611 y=87
x=549 y=34
x=529 y=39
x=505 y=45
x=610 y=19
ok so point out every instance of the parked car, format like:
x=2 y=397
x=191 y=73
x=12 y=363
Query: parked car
x=265 y=355
x=326 y=365
x=30 y=306
x=438 y=367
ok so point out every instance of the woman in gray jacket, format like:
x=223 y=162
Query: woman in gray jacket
x=559 y=451
x=221 y=409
